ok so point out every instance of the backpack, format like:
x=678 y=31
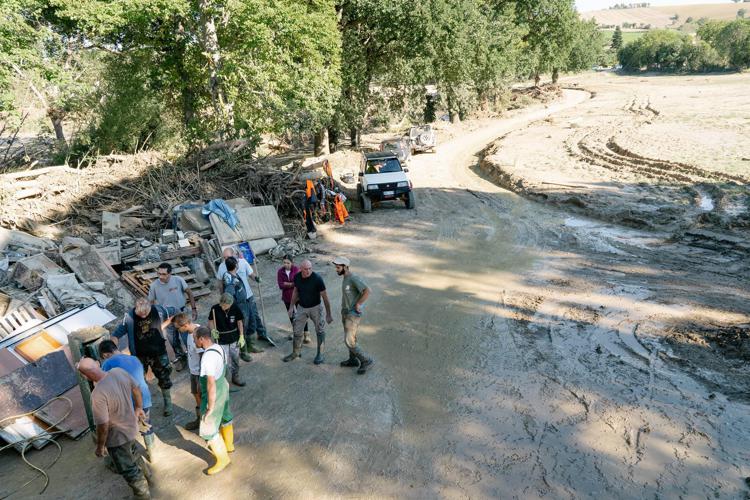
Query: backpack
x=234 y=286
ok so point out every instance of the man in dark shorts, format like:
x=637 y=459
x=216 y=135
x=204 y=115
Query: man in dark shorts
x=144 y=326
x=309 y=291
x=183 y=323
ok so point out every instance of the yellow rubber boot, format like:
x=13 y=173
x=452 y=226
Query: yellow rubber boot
x=219 y=450
x=227 y=433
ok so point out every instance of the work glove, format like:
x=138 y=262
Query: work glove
x=215 y=334
x=257 y=279
x=242 y=342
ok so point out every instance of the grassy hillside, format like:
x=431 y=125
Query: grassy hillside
x=627 y=36
x=660 y=16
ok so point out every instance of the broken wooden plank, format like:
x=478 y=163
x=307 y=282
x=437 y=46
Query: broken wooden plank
x=181 y=252
x=38 y=172
x=154 y=265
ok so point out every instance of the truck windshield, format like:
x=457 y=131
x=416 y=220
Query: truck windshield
x=383 y=166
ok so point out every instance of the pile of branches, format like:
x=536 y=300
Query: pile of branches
x=146 y=186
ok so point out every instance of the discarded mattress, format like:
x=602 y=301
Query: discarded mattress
x=254 y=223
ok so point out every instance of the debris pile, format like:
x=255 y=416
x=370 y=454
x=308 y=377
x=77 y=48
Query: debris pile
x=53 y=291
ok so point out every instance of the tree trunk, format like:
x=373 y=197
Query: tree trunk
x=320 y=144
x=222 y=107
x=452 y=113
x=333 y=139
x=555 y=75
x=56 y=117
x=354 y=137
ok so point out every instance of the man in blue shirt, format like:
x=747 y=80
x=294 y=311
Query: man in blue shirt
x=112 y=358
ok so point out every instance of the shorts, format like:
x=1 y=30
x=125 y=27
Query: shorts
x=195 y=384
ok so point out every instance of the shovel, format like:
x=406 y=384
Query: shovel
x=263 y=307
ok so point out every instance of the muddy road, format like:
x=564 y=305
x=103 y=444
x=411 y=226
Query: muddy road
x=518 y=355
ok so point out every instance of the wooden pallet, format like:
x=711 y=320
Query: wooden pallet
x=18 y=320
x=142 y=275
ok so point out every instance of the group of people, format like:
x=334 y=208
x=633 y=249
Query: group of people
x=121 y=399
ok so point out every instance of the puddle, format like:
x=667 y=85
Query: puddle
x=601 y=236
x=706 y=203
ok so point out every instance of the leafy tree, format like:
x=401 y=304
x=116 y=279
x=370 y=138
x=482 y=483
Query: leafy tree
x=39 y=55
x=587 y=48
x=380 y=41
x=550 y=26
x=733 y=43
x=233 y=68
x=617 y=39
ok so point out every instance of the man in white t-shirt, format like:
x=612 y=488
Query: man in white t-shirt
x=253 y=322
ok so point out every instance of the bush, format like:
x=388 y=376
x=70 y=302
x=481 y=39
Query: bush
x=667 y=50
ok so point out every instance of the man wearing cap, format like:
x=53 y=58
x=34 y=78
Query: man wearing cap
x=354 y=293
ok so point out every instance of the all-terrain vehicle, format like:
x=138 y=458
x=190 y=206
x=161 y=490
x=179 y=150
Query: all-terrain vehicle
x=400 y=147
x=382 y=178
x=422 y=139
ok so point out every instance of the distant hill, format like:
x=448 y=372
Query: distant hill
x=659 y=16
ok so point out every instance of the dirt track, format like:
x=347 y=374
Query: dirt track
x=521 y=353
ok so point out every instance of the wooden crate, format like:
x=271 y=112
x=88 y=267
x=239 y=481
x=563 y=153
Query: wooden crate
x=142 y=275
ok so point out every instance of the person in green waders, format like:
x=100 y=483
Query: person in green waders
x=216 y=418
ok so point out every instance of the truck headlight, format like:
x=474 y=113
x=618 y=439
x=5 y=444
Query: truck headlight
x=402 y=184
x=372 y=187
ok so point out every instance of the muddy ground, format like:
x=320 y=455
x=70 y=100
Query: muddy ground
x=522 y=350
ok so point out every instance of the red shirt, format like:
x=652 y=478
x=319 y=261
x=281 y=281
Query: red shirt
x=282 y=279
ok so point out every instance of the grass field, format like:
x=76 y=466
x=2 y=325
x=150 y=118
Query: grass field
x=627 y=36
x=659 y=17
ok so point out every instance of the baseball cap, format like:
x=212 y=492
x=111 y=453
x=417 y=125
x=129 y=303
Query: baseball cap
x=340 y=261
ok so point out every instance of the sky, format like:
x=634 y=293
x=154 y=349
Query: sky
x=586 y=5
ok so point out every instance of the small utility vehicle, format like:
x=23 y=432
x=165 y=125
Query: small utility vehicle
x=382 y=178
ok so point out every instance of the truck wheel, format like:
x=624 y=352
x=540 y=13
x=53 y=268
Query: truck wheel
x=411 y=200
x=365 y=203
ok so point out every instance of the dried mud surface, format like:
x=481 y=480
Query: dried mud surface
x=522 y=351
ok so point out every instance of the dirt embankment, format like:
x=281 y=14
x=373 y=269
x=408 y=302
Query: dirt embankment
x=649 y=153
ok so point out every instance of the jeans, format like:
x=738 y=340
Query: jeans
x=232 y=355
x=254 y=323
x=123 y=458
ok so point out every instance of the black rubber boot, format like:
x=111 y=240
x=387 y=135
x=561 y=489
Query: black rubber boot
x=352 y=362
x=319 y=358
x=167 y=402
x=192 y=426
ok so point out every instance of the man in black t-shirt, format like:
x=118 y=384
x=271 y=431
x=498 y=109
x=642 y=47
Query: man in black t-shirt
x=227 y=318
x=309 y=291
x=144 y=328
